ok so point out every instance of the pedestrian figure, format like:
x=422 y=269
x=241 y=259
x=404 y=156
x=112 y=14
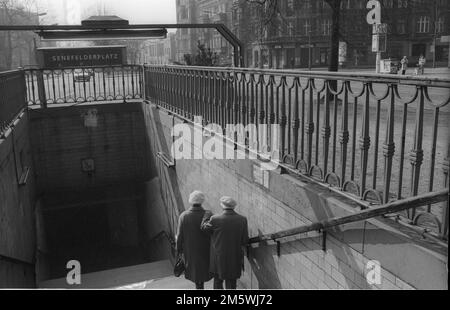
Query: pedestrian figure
x=193 y=243
x=422 y=62
x=229 y=238
x=404 y=63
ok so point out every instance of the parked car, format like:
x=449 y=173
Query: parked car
x=91 y=72
x=82 y=76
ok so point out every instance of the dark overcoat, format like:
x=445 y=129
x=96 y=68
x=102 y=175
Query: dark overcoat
x=229 y=236
x=195 y=245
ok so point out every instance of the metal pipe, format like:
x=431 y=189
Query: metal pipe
x=394 y=207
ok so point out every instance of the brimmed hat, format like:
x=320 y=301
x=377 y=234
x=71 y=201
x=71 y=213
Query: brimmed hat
x=196 y=198
x=228 y=203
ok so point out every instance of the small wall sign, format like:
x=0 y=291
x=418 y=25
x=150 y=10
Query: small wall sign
x=261 y=176
x=88 y=165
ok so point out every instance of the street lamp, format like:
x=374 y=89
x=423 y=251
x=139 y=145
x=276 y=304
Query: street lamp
x=309 y=50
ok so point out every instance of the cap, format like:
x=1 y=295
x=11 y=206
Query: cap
x=228 y=203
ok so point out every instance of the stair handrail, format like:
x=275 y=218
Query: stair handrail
x=16 y=261
x=165 y=234
x=390 y=208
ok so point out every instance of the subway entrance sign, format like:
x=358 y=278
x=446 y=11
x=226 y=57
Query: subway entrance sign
x=70 y=57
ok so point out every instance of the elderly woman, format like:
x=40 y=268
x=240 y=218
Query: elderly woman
x=193 y=243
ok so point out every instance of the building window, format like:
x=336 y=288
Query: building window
x=402 y=3
x=326 y=27
x=345 y=4
x=440 y=25
x=401 y=26
x=307 y=4
x=290 y=8
x=388 y=3
x=291 y=29
x=307 y=27
x=183 y=12
x=423 y=24
x=321 y=4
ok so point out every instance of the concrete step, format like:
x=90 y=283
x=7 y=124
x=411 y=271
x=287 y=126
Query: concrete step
x=172 y=283
x=133 y=277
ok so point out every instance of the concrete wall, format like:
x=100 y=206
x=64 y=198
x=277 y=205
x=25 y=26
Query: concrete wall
x=283 y=202
x=87 y=157
x=112 y=135
x=163 y=202
x=17 y=231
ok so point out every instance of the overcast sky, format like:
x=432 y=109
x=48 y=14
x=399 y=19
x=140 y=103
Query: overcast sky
x=136 y=11
x=144 y=11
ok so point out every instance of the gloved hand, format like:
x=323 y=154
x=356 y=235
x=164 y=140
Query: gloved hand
x=208 y=214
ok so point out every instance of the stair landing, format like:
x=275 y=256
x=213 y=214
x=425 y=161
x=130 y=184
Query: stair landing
x=128 y=277
x=153 y=276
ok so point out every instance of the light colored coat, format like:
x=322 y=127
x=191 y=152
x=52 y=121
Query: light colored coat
x=404 y=63
x=229 y=235
x=194 y=244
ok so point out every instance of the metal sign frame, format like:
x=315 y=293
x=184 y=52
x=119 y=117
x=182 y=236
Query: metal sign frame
x=379 y=43
x=380 y=28
x=229 y=36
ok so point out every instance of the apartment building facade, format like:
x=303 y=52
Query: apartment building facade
x=160 y=52
x=203 y=12
x=298 y=33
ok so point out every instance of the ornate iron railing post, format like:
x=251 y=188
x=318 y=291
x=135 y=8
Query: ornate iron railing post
x=389 y=146
x=271 y=111
x=41 y=88
x=310 y=128
x=445 y=206
x=417 y=155
x=364 y=141
x=326 y=129
x=252 y=103
x=296 y=121
x=281 y=117
x=344 y=136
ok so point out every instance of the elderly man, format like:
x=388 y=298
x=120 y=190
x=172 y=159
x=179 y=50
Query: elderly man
x=229 y=237
x=194 y=243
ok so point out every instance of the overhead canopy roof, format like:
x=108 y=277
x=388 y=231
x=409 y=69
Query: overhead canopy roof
x=99 y=28
x=104 y=21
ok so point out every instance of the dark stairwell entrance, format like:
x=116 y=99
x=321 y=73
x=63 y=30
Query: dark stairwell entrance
x=98 y=204
x=100 y=235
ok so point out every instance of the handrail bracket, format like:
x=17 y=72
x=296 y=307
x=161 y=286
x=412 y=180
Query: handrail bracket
x=324 y=240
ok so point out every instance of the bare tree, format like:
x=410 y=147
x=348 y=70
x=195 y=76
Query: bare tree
x=335 y=6
x=15 y=43
x=270 y=9
x=205 y=57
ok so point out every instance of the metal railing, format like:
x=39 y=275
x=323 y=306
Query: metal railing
x=166 y=235
x=323 y=226
x=16 y=261
x=374 y=138
x=12 y=97
x=80 y=85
